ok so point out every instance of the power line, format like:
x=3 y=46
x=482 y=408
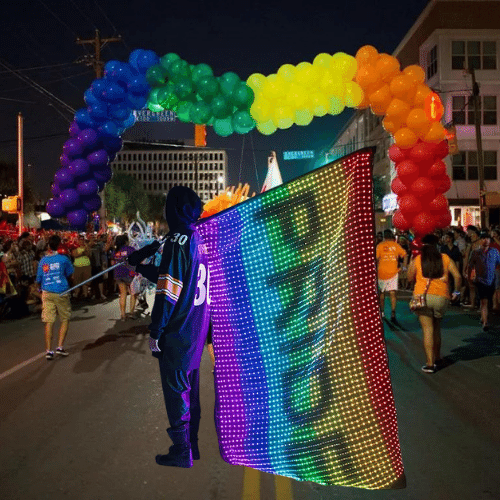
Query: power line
x=41 y=67
x=52 y=81
x=115 y=31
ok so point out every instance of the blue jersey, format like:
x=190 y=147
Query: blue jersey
x=53 y=272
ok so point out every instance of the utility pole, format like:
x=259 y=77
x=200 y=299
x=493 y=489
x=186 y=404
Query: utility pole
x=479 y=143
x=98 y=65
x=20 y=172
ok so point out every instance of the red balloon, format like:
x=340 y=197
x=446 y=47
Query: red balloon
x=443 y=220
x=416 y=246
x=438 y=169
x=398 y=187
x=424 y=189
x=400 y=221
x=423 y=152
x=408 y=172
x=424 y=223
x=441 y=150
x=409 y=205
x=439 y=205
x=442 y=184
x=396 y=154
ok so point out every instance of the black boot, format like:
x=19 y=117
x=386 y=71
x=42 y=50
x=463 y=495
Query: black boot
x=179 y=454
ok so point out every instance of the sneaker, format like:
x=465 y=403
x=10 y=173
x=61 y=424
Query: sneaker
x=49 y=354
x=61 y=351
x=429 y=369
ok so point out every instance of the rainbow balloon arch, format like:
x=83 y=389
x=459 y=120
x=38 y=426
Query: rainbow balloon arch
x=292 y=95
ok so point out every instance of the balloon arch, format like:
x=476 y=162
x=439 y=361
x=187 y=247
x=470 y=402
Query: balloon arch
x=293 y=95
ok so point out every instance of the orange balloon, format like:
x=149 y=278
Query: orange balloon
x=421 y=93
x=387 y=67
x=367 y=76
x=405 y=138
x=367 y=55
x=416 y=73
x=380 y=100
x=365 y=103
x=392 y=126
x=436 y=133
x=418 y=122
x=398 y=109
x=403 y=87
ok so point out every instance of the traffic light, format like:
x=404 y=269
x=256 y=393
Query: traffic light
x=200 y=136
x=11 y=204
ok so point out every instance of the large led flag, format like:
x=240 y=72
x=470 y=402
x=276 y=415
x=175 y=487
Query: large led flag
x=301 y=376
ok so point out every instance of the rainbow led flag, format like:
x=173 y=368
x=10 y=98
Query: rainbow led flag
x=301 y=376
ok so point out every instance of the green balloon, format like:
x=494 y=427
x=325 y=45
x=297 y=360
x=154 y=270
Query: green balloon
x=184 y=89
x=220 y=107
x=242 y=122
x=242 y=96
x=208 y=87
x=167 y=98
x=228 y=82
x=155 y=107
x=184 y=110
x=200 y=71
x=200 y=113
x=223 y=127
x=153 y=95
x=155 y=75
x=179 y=70
x=168 y=59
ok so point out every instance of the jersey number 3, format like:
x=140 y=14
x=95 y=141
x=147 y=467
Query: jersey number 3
x=202 y=287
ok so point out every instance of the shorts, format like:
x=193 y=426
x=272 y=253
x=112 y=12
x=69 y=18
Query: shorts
x=390 y=285
x=53 y=303
x=436 y=306
x=485 y=291
x=81 y=274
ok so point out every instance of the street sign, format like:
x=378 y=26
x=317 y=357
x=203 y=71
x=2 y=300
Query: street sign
x=146 y=115
x=298 y=155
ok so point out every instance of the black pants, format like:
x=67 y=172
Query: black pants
x=181 y=391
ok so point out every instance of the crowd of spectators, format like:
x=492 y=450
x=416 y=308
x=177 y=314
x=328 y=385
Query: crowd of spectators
x=90 y=254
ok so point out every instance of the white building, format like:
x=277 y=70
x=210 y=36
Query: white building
x=160 y=168
x=448 y=35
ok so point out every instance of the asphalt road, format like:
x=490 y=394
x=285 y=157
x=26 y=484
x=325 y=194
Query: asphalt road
x=87 y=427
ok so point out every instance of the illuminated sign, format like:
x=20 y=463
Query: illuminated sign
x=298 y=155
x=146 y=115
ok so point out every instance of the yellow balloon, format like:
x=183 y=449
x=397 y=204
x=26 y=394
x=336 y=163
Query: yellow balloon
x=345 y=64
x=256 y=81
x=332 y=85
x=319 y=103
x=284 y=117
x=306 y=74
x=336 y=106
x=287 y=72
x=261 y=110
x=267 y=128
x=297 y=96
x=322 y=60
x=303 y=117
x=274 y=87
x=353 y=94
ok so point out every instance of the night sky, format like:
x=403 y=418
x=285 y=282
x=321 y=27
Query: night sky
x=244 y=37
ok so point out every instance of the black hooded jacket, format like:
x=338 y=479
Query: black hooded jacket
x=180 y=314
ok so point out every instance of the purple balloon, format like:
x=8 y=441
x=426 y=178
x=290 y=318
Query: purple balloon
x=79 y=167
x=73 y=147
x=77 y=217
x=89 y=138
x=74 y=129
x=63 y=177
x=88 y=188
x=93 y=203
x=112 y=144
x=55 y=208
x=98 y=159
x=103 y=175
x=70 y=197
x=65 y=160
x=55 y=189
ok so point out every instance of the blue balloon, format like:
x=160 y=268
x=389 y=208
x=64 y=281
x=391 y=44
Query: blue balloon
x=145 y=60
x=119 y=112
x=93 y=203
x=129 y=121
x=55 y=208
x=70 y=198
x=139 y=86
x=118 y=72
x=112 y=144
x=98 y=111
x=114 y=93
x=137 y=102
x=83 y=119
x=109 y=128
x=98 y=86
x=89 y=97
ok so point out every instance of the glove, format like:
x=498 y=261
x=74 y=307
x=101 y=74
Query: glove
x=143 y=253
x=153 y=345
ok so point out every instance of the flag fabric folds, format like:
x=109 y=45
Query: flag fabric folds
x=301 y=377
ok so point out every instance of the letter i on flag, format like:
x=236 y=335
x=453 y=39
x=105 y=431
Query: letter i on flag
x=273 y=177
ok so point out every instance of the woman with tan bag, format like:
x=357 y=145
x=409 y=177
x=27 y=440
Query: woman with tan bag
x=430 y=269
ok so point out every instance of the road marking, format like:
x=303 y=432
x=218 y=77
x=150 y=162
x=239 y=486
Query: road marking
x=21 y=365
x=283 y=488
x=251 y=484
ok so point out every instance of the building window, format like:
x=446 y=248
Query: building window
x=473 y=55
x=432 y=63
x=465 y=166
x=487 y=110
